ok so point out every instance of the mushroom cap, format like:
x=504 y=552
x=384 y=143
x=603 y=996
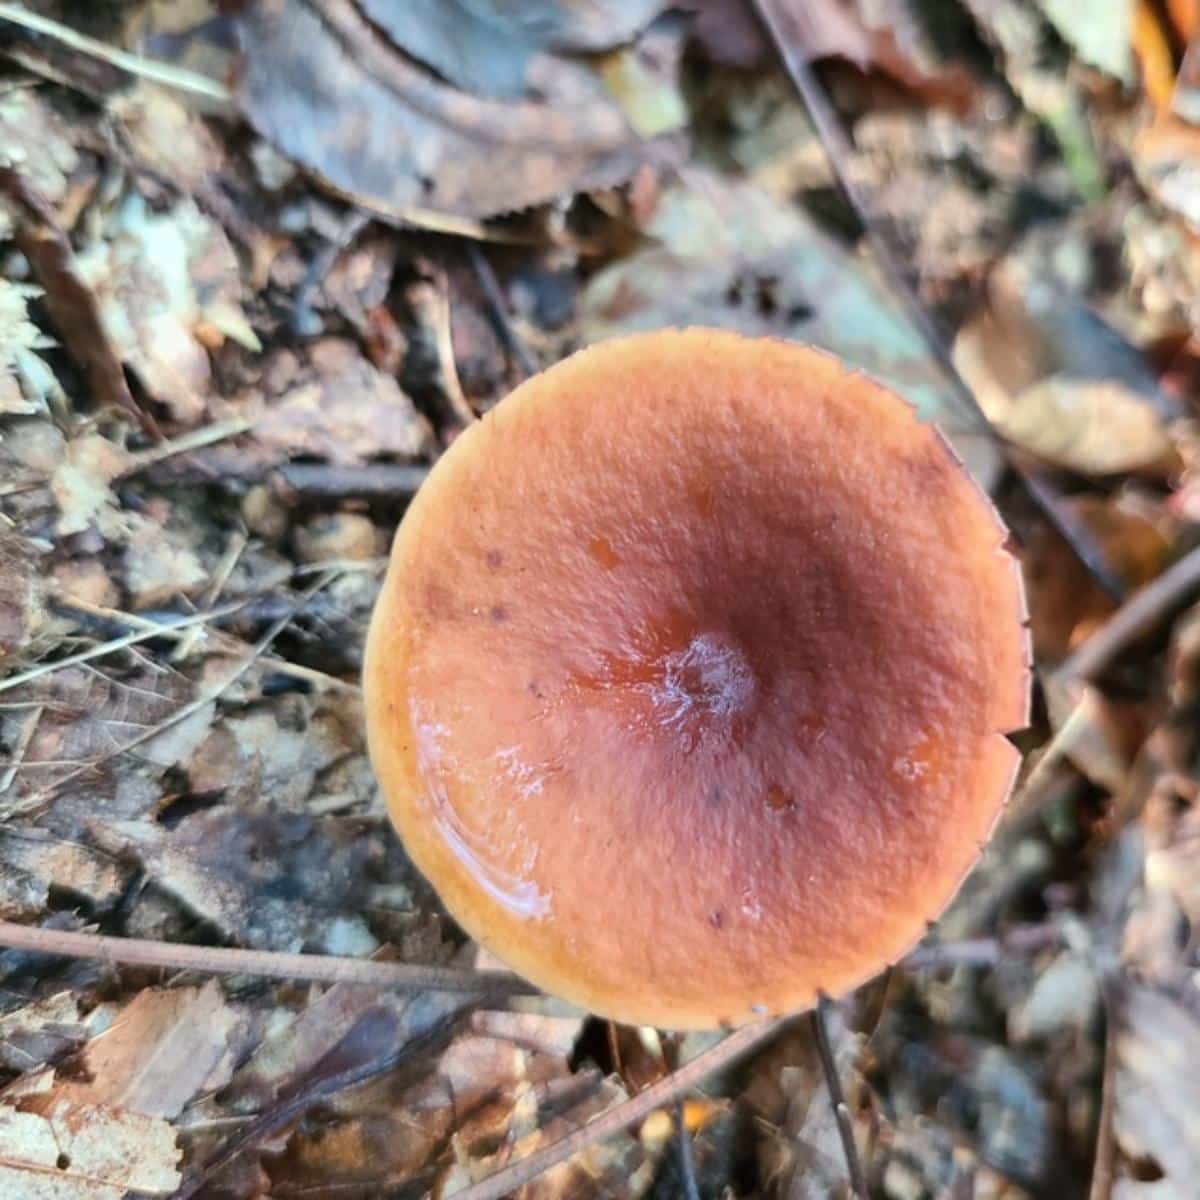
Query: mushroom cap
x=688 y=684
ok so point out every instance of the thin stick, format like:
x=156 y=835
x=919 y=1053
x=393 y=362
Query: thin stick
x=316 y=968
x=837 y=1098
x=218 y=960
x=197 y=439
x=628 y=1112
x=983 y=952
x=1136 y=617
x=498 y=310
x=147 y=68
x=687 y=1163
x=839 y=151
x=130 y=639
x=1103 y=1170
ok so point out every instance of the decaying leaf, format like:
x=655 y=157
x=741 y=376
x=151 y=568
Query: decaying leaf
x=39 y=1032
x=266 y=877
x=1167 y=159
x=53 y=1149
x=501 y=1061
x=70 y=724
x=72 y=303
x=1055 y=380
x=340 y=408
x=1091 y=426
x=890 y=36
x=35 y=138
x=19 y=594
x=169 y=288
x=165 y=1047
x=501 y=50
x=80 y=484
x=1157 y=1094
x=26 y=382
x=52 y=862
x=319 y=82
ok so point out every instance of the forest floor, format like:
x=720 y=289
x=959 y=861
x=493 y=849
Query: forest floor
x=260 y=264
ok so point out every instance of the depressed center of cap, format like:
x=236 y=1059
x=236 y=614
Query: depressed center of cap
x=706 y=684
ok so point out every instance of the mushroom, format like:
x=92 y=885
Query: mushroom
x=689 y=682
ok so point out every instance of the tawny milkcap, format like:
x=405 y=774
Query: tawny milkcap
x=689 y=682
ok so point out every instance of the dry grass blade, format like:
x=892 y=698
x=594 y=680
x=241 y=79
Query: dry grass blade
x=157 y=72
x=130 y=639
x=194 y=706
x=312 y=968
x=675 y=1085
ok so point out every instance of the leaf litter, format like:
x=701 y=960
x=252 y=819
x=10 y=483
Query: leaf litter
x=233 y=344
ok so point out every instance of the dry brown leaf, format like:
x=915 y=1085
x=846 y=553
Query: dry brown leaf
x=40 y=1032
x=1166 y=156
x=165 y=1047
x=169 y=287
x=26 y=382
x=19 y=594
x=885 y=35
x=501 y=49
x=36 y=139
x=490 y=1075
x=342 y=409
x=320 y=83
x=264 y=876
x=1157 y=1094
x=71 y=721
x=70 y=300
x=160 y=564
x=1093 y=427
x=80 y=484
x=535 y=1116
x=168 y=137
x=1055 y=380
x=53 y=862
x=53 y=1149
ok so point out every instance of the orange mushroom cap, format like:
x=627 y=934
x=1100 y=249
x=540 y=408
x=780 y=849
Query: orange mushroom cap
x=688 y=684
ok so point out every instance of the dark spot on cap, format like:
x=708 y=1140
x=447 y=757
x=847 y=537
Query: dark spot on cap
x=602 y=551
x=780 y=799
x=439 y=601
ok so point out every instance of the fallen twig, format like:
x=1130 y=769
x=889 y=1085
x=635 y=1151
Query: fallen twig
x=1136 y=617
x=687 y=1162
x=497 y=308
x=318 y=968
x=837 y=1099
x=217 y=960
x=1103 y=1169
